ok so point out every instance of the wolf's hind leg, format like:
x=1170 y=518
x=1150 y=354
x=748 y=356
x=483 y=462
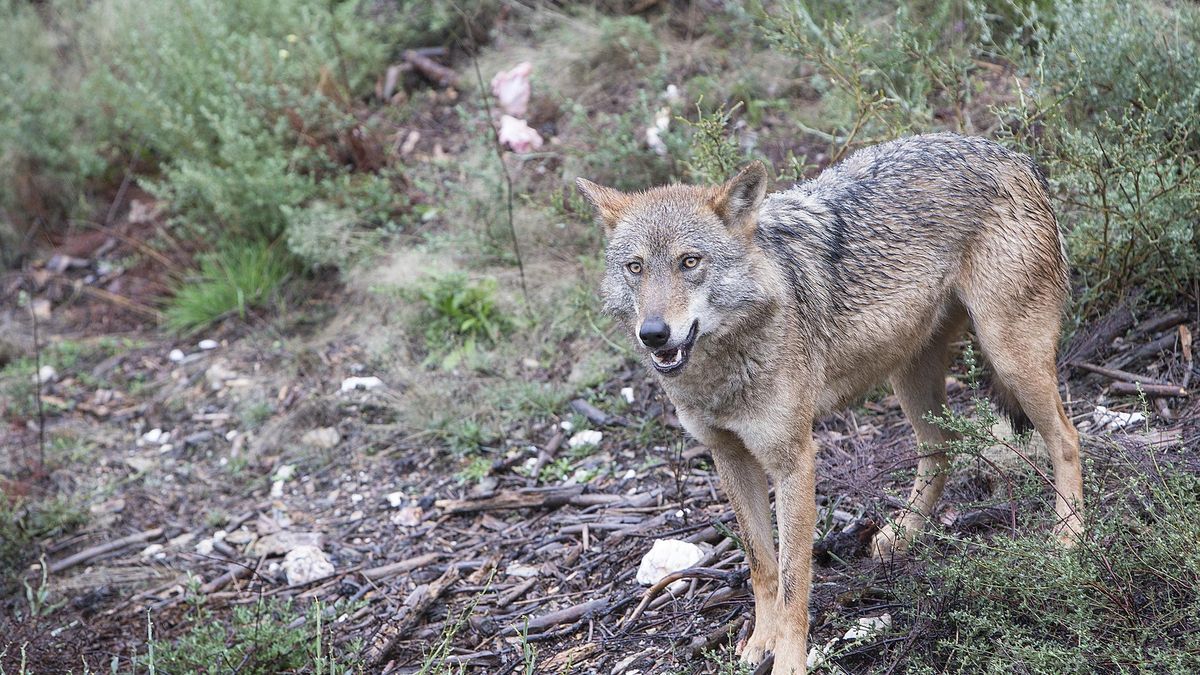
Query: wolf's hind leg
x=921 y=389
x=745 y=483
x=1021 y=347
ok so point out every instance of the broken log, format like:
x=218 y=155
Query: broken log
x=107 y=547
x=416 y=604
x=385 y=571
x=431 y=70
x=1151 y=390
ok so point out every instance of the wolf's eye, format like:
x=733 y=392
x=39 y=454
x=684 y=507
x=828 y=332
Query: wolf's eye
x=634 y=267
x=691 y=261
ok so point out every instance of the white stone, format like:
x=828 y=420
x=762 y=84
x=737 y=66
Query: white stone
x=355 y=498
x=665 y=557
x=566 y=425
x=277 y=489
x=176 y=355
x=208 y=345
x=629 y=475
x=321 y=437
x=627 y=394
x=165 y=448
x=305 y=564
x=585 y=437
x=522 y=571
x=357 y=515
x=205 y=547
x=408 y=516
x=152 y=550
x=285 y=472
x=155 y=436
x=868 y=626
x=353 y=383
x=394 y=499
x=1109 y=420
x=45 y=374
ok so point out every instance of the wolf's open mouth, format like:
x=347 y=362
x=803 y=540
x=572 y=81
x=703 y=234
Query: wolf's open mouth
x=671 y=360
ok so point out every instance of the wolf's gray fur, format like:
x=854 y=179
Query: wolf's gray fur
x=783 y=308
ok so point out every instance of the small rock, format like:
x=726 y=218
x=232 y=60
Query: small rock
x=1109 y=420
x=205 y=547
x=182 y=540
x=176 y=355
x=155 y=436
x=357 y=515
x=353 y=383
x=140 y=464
x=627 y=394
x=208 y=345
x=285 y=472
x=151 y=550
x=522 y=571
x=868 y=626
x=279 y=543
x=218 y=374
x=165 y=448
x=629 y=475
x=355 y=498
x=566 y=425
x=305 y=564
x=665 y=557
x=585 y=437
x=394 y=499
x=277 y=489
x=41 y=308
x=240 y=536
x=408 y=516
x=322 y=437
x=45 y=374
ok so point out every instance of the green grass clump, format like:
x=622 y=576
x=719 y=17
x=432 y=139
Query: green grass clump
x=24 y=524
x=460 y=316
x=230 y=282
x=257 y=639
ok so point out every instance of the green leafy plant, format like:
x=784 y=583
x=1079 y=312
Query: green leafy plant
x=461 y=316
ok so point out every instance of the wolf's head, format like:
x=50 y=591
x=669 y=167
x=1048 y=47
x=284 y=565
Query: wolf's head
x=682 y=262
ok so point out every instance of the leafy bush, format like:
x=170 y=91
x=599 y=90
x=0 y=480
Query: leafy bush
x=1124 y=601
x=1114 y=113
x=230 y=281
x=460 y=316
x=257 y=639
x=46 y=154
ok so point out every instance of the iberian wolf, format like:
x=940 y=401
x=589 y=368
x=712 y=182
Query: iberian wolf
x=761 y=313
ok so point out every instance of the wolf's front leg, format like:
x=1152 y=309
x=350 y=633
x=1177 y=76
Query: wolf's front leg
x=745 y=483
x=795 y=498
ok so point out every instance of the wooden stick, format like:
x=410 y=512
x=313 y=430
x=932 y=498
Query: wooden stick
x=1114 y=374
x=521 y=499
x=431 y=70
x=570 y=614
x=1139 y=353
x=1161 y=322
x=1153 y=390
x=689 y=573
x=415 y=605
x=107 y=547
x=385 y=571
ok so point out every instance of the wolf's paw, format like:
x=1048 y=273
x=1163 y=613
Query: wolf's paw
x=892 y=541
x=760 y=643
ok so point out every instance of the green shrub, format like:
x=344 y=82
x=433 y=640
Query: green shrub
x=257 y=639
x=47 y=155
x=1124 y=601
x=1114 y=114
x=25 y=524
x=230 y=281
x=460 y=316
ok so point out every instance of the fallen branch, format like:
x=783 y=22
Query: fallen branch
x=1151 y=390
x=570 y=614
x=385 y=571
x=1114 y=374
x=1137 y=354
x=689 y=573
x=431 y=70
x=520 y=499
x=416 y=604
x=1162 y=322
x=107 y=547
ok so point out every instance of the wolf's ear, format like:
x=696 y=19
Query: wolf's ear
x=609 y=203
x=737 y=201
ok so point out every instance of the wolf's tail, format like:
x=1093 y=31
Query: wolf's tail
x=1009 y=406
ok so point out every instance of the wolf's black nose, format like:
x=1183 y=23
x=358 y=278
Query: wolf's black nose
x=654 y=333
